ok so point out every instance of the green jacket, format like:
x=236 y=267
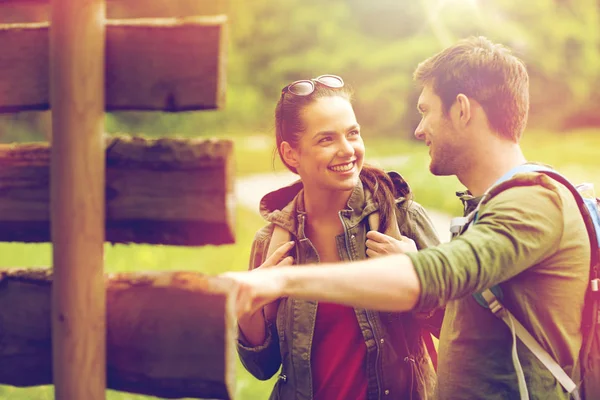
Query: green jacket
x=531 y=241
x=398 y=366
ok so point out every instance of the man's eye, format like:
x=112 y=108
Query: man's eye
x=325 y=139
x=354 y=133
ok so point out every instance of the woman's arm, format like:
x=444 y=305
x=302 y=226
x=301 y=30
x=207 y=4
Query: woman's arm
x=252 y=326
x=258 y=344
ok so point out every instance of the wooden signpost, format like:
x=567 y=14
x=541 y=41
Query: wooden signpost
x=166 y=334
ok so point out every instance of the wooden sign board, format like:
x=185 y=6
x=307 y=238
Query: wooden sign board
x=168 y=334
x=14 y=11
x=165 y=64
x=161 y=191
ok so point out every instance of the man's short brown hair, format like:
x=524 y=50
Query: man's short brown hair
x=486 y=72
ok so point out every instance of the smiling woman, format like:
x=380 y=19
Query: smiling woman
x=327 y=351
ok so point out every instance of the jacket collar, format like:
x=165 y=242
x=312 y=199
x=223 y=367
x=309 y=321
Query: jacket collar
x=469 y=201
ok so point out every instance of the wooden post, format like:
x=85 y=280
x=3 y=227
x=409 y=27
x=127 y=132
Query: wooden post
x=77 y=204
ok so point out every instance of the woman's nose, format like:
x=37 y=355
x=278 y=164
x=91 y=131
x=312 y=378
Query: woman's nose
x=346 y=148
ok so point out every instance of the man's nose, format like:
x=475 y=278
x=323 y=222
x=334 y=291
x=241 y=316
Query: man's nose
x=419 y=132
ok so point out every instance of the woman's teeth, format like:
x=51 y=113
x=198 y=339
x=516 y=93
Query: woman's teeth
x=343 y=167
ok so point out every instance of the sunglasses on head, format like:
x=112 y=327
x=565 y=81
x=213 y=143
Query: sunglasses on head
x=306 y=87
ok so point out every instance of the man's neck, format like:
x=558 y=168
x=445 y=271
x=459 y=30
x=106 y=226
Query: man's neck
x=489 y=166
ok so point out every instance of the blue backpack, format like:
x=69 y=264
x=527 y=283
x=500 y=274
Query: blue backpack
x=589 y=356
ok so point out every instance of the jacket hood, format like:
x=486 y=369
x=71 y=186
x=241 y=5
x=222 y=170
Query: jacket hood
x=284 y=206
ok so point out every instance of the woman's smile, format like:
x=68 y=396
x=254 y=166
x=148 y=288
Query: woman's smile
x=346 y=167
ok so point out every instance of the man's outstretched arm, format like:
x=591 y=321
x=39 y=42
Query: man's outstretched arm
x=386 y=283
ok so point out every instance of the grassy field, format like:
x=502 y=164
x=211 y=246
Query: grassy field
x=575 y=154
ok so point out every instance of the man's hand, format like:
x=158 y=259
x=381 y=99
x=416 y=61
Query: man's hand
x=379 y=244
x=262 y=285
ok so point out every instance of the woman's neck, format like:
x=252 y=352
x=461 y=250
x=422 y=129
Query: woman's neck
x=325 y=204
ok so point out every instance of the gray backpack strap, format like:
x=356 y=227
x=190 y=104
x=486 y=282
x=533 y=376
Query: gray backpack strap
x=457 y=224
x=519 y=331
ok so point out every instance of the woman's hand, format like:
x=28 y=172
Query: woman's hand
x=257 y=289
x=379 y=244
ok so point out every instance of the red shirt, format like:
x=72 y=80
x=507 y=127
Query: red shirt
x=338 y=361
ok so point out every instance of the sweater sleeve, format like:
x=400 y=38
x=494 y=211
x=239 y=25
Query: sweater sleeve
x=517 y=228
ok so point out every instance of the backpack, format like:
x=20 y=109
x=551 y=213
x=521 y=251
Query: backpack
x=589 y=356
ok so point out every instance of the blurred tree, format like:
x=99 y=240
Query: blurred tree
x=375 y=46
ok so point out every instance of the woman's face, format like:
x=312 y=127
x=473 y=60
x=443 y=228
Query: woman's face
x=330 y=151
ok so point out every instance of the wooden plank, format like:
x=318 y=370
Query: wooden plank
x=166 y=64
x=158 y=191
x=169 y=334
x=163 y=9
x=15 y=11
x=77 y=201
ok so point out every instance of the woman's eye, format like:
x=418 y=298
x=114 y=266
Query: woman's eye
x=354 y=133
x=325 y=139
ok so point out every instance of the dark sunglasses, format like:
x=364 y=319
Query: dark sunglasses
x=306 y=87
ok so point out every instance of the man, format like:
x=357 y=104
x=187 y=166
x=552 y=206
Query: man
x=529 y=239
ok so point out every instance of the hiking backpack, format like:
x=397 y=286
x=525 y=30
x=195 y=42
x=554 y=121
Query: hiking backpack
x=589 y=357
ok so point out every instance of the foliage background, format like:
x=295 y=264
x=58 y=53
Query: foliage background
x=374 y=45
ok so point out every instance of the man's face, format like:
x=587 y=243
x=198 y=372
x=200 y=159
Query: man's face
x=439 y=133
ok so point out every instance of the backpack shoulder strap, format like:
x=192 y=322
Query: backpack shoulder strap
x=392 y=229
x=519 y=331
x=278 y=238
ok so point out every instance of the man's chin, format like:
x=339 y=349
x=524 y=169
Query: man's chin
x=438 y=170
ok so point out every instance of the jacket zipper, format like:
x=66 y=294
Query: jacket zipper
x=366 y=312
x=318 y=261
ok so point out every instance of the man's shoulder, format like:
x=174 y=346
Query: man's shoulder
x=531 y=183
x=530 y=189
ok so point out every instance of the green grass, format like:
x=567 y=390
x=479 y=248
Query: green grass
x=575 y=154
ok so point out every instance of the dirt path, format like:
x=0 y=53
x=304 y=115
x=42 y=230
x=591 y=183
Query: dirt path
x=250 y=189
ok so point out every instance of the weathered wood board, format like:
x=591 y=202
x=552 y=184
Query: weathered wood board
x=169 y=334
x=158 y=191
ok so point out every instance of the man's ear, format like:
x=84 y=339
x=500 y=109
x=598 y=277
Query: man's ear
x=290 y=155
x=464 y=109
